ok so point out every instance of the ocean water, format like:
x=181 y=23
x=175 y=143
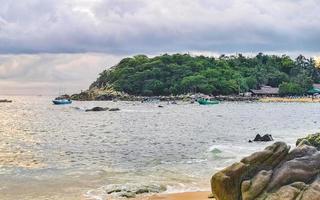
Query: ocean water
x=62 y=152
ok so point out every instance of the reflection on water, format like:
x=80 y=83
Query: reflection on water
x=62 y=152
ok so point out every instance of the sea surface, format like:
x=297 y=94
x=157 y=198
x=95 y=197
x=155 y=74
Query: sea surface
x=63 y=152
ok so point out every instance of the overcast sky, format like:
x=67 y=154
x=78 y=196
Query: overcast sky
x=50 y=44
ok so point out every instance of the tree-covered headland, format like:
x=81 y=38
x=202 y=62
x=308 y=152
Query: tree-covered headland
x=226 y=75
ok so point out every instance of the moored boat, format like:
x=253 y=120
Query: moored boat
x=207 y=102
x=59 y=101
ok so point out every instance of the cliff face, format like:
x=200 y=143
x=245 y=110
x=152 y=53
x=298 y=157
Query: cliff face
x=273 y=174
x=100 y=94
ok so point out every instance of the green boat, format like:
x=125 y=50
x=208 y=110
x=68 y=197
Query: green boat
x=314 y=91
x=207 y=102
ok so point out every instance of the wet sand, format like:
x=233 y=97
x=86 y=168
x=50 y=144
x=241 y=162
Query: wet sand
x=179 y=196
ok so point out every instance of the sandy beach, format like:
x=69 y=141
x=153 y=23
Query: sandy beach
x=178 y=196
x=289 y=100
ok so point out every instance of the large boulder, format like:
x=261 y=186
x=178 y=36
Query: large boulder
x=313 y=191
x=226 y=184
x=271 y=174
x=252 y=188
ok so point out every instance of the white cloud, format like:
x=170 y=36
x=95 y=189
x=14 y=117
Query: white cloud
x=47 y=73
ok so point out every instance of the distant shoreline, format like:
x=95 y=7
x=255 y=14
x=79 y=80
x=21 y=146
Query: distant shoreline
x=118 y=96
x=111 y=95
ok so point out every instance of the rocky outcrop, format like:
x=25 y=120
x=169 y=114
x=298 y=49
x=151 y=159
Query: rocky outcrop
x=97 y=109
x=264 y=138
x=272 y=174
x=100 y=94
x=5 y=101
x=108 y=93
x=312 y=139
x=114 y=109
x=83 y=96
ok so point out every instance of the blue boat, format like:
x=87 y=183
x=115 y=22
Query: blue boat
x=59 y=101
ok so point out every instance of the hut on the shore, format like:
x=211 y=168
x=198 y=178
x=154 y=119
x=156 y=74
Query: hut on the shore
x=316 y=86
x=265 y=90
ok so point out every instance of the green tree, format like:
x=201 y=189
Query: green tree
x=182 y=73
x=195 y=84
x=290 y=89
x=154 y=87
x=276 y=78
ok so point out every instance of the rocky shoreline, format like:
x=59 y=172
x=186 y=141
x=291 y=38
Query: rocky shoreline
x=111 y=95
x=276 y=173
x=95 y=94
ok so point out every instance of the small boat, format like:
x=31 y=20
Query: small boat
x=60 y=101
x=207 y=102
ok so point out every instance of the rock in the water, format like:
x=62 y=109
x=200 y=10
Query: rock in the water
x=97 y=109
x=5 y=101
x=114 y=109
x=313 y=140
x=272 y=174
x=131 y=190
x=265 y=138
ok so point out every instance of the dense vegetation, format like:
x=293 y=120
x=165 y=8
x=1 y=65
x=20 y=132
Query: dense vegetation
x=179 y=74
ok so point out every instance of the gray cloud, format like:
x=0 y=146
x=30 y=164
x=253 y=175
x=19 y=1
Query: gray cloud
x=142 y=26
x=50 y=44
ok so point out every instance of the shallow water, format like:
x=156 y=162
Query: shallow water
x=62 y=152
